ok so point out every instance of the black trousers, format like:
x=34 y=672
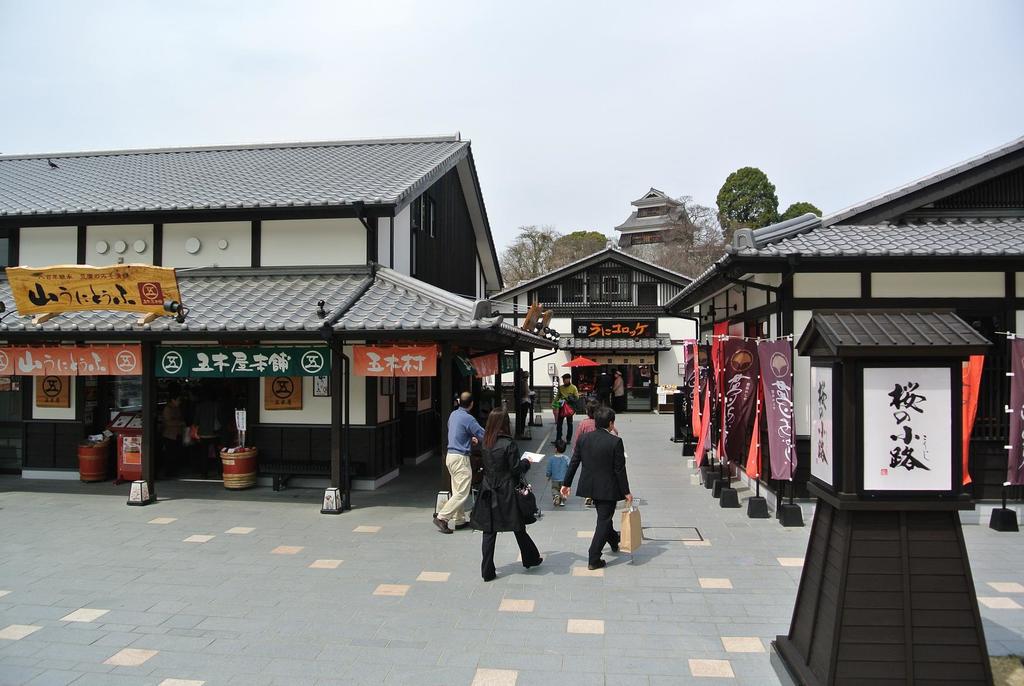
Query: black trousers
x=604 y=531
x=528 y=549
x=524 y=409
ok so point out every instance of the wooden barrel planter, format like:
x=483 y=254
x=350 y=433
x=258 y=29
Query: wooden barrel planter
x=239 y=468
x=92 y=461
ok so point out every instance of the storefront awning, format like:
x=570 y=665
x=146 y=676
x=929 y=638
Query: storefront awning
x=650 y=343
x=360 y=303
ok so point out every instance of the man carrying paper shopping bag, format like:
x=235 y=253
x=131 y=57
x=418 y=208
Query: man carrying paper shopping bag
x=603 y=479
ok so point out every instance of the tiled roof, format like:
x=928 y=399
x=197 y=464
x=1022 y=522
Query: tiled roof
x=952 y=237
x=659 y=342
x=891 y=330
x=226 y=177
x=265 y=302
x=634 y=223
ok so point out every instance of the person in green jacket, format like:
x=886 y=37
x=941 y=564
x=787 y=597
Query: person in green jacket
x=566 y=392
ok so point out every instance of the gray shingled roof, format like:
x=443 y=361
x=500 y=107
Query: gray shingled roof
x=659 y=342
x=225 y=177
x=266 y=302
x=952 y=237
x=872 y=332
x=634 y=223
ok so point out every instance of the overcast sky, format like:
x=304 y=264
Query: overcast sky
x=574 y=108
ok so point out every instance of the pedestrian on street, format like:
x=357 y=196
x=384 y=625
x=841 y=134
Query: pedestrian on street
x=496 y=508
x=603 y=479
x=586 y=426
x=618 y=392
x=567 y=394
x=523 y=408
x=558 y=465
x=464 y=431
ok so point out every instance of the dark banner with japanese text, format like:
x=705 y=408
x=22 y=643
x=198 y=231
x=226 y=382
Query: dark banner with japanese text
x=242 y=361
x=739 y=359
x=1015 y=468
x=776 y=358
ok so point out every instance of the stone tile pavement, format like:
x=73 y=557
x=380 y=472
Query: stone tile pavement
x=259 y=588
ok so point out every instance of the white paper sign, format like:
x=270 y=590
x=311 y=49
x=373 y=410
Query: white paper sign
x=240 y=420
x=533 y=457
x=821 y=424
x=907 y=442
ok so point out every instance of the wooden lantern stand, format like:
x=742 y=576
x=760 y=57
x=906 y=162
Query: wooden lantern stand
x=886 y=595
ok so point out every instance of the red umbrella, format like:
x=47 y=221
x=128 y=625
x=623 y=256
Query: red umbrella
x=581 y=362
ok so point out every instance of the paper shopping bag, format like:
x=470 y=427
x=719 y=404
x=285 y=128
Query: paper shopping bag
x=631 y=530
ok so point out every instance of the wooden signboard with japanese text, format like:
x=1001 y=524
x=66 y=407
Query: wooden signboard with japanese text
x=282 y=393
x=76 y=288
x=53 y=391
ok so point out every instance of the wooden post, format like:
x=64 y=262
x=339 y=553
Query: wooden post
x=149 y=418
x=337 y=417
x=444 y=404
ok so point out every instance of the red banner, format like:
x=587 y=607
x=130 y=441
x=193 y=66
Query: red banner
x=695 y=399
x=753 y=467
x=971 y=386
x=739 y=357
x=776 y=358
x=486 y=365
x=412 y=360
x=61 y=360
x=1015 y=468
x=705 y=427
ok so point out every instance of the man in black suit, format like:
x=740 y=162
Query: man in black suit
x=603 y=388
x=603 y=479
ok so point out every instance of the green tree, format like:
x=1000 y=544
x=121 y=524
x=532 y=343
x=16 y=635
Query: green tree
x=574 y=246
x=797 y=209
x=527 y=256
x=747 y=199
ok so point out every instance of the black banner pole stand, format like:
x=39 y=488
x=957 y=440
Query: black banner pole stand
x=790 y=513
x=757 y=505
x=1003 y=518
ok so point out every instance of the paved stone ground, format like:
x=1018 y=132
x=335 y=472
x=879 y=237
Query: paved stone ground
x=258 y=588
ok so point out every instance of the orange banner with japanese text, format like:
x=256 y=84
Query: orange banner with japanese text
x=485 y=365
x=64 y=360
x=74 y=288
x=394 y=360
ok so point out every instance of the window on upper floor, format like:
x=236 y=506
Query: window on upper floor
x=548 y=295
x=573 y=291
x=610 y=285
x=650 y=212
x=645 y=237
x=422 y=213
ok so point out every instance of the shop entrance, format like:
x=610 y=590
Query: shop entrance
x=195 y=419
x=638 y=375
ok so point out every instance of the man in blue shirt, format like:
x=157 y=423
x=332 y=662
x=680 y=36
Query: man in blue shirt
x=463 y=433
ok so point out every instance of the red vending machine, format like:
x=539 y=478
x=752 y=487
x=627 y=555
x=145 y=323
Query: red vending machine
x=127 y=426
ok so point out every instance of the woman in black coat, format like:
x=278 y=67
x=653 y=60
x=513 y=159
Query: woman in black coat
x=496 y=508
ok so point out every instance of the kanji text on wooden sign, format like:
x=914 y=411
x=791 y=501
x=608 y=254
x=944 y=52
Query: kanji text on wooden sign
x=413 y=360
x=631 y=328
x=64 y=360
x=242 y=361
x=69 y=288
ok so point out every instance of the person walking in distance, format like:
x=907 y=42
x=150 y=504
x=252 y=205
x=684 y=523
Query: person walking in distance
x=464 y=431
x=497 y=508
x=603 y=478
x=603 y=388
x=567 y=394
x=618 y=392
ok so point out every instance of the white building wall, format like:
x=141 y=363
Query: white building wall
x=826 y=285
x=286 y=242
x=801 y=377
x=403 y=242
x=384 y=242
x=314 y=410
x=43 y=246
x=126 y=236
x=937 y=285
x=224 y=244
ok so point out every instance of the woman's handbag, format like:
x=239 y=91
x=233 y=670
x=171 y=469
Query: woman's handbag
x=526 y=502
x=567 y=409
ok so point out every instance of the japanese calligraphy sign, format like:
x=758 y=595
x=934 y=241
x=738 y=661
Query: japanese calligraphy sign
x=776 y=365
x=822 y=436
x=59 y=360
x=418 y=360
x=282 y=393
x=53 y=391
x=180 y=362
x=486 y=365
x=1015 y=466
x=738 y=393
x=907 y=429
x=630 y=328
x=67 y=288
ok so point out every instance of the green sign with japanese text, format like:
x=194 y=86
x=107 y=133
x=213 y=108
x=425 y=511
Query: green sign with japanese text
x=243 y=361
x=508 y=362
